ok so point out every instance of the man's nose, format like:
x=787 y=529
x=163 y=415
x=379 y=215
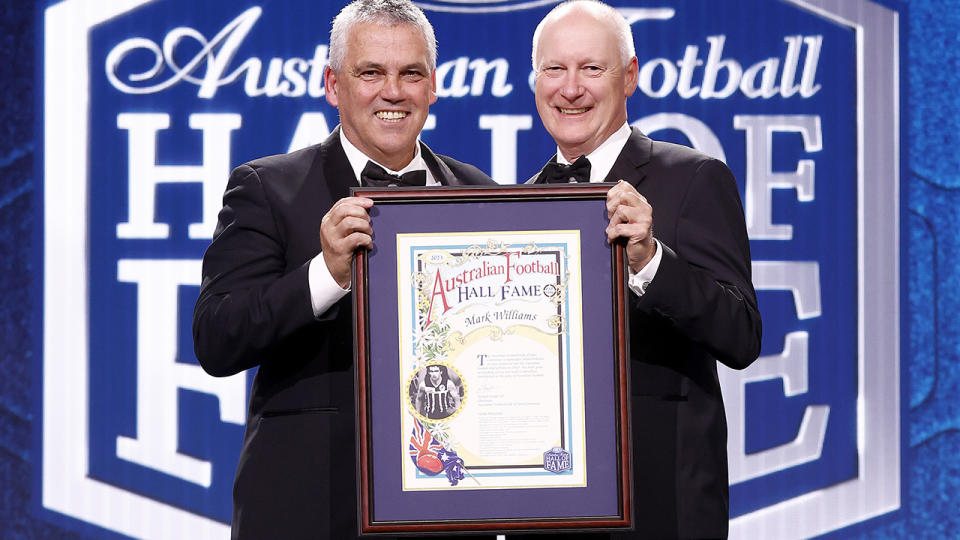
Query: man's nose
x=571 y=88
x=392 y=88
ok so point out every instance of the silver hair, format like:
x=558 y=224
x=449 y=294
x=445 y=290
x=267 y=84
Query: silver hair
x=386 y=12
x=598 y=9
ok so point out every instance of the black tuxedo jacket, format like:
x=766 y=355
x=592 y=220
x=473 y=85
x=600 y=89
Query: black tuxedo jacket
x=296 y=474
x=701 y=307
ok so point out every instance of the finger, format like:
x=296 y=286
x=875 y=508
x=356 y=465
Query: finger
x=354 y=224
x=350 y=215
x=343 y=248
x=623 y=186
x=631 y=214
x=357 y=240
x=624 y=197
x=340 y=212
x=349 y=206
x=628 y=215
x=358 y=200
x=613 y=198
x=633 y=233
x=354 y=207
x=334 y=238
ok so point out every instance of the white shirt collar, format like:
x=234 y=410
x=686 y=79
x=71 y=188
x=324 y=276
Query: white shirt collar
x=358 y=160
x=605 y=155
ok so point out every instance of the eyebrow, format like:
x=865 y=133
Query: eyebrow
x=415 y=65
x=363 y=66
x=579 y=62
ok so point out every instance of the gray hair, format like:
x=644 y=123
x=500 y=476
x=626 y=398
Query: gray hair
x=386 y=12
x=599 y=10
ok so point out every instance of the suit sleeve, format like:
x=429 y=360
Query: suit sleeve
x=249 y=300
x=703 y=286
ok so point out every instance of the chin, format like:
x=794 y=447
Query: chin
x=571 y=142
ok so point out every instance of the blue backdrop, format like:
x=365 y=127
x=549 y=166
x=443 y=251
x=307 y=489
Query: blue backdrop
x=120 y=127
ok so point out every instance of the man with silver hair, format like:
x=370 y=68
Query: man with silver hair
x=385 y=12
x=276 y=278
x=691 y=301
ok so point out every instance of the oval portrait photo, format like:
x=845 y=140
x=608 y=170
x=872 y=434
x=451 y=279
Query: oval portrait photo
x=435 y=392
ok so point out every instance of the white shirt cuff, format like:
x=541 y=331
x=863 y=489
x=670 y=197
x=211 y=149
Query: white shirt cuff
x=639 y=282
x=324 y=290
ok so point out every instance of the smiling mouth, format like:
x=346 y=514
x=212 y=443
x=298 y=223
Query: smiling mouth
x=391 y=116
x=573 y=111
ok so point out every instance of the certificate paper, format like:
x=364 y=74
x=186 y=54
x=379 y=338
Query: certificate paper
x=491 y=360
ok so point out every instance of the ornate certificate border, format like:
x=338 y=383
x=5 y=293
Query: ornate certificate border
x=498 y=312
x=491 y=344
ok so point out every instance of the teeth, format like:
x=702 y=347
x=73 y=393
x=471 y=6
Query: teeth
x=391 y=115
x=573 y=111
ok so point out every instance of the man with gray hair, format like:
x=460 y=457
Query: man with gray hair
x=276 y=278
x=691 y=301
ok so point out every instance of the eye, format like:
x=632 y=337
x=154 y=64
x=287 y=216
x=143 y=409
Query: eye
x=554 y=71
x=369 y=74
x=592 y=70
x=413 y=75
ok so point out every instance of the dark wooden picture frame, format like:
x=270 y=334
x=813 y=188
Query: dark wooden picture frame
x=382 y=506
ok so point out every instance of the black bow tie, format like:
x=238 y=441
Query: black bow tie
x=559 y=173
x=374 y=175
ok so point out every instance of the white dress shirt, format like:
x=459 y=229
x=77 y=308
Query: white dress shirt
x=601 y=161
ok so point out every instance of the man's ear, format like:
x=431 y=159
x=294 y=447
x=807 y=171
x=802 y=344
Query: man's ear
x=433 y=87
x=630 y=81
x=330 y=86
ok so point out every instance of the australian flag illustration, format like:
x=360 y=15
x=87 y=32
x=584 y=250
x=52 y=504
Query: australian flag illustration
x=431 y=458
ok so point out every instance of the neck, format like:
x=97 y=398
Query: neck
x=394 y=161
x=585 y=148
x=573 y=154
x=397 y=162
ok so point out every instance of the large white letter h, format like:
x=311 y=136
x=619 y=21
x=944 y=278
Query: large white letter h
x=145 y=174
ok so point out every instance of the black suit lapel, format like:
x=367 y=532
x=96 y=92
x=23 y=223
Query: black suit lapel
x=440 y=171
x=337 y=173
x=629 y=165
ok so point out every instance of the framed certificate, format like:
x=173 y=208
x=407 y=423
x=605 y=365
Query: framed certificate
x=491 y=362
